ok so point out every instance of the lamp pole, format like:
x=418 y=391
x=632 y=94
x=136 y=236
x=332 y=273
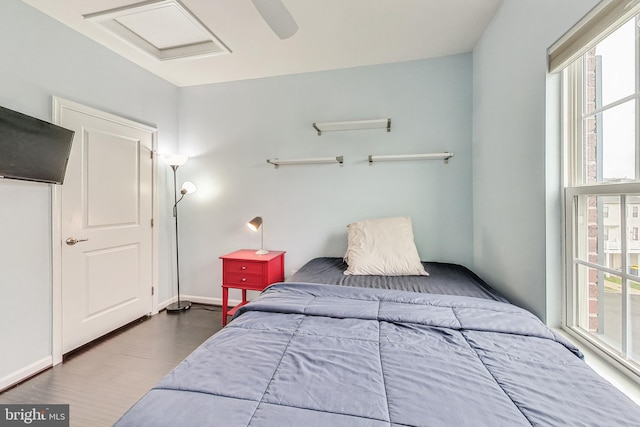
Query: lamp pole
x=180 y=305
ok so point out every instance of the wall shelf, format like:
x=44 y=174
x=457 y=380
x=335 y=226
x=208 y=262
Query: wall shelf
x=309 y=161
x=352 y=125
x=395 y=157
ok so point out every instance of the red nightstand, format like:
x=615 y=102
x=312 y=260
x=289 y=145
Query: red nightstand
x=245 y=270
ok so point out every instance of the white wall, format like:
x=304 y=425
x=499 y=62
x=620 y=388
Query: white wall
x=516 y=154
x=41 y=58
x=232 y=129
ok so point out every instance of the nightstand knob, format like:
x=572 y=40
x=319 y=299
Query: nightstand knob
x=244 y=279
x=244 y=267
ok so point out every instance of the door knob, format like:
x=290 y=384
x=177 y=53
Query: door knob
x=72 y=241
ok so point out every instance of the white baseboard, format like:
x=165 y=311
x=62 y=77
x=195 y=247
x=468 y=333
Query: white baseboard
x=163 y=304
x=207 y=300
x=198 y=300
x=24 y=373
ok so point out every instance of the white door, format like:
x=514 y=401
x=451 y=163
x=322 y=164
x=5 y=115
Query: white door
x=106 y=248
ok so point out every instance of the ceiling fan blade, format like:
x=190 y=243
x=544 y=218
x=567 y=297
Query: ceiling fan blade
x=276 y=15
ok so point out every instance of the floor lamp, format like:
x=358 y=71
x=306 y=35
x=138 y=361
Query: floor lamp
x=175 y=161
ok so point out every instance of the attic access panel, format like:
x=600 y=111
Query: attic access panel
x=164 y=29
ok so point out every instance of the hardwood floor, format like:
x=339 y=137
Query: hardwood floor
x=101 y=382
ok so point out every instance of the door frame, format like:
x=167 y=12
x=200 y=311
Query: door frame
x=58 y=104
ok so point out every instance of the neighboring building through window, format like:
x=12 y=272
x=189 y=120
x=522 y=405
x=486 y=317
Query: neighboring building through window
x=602 y=109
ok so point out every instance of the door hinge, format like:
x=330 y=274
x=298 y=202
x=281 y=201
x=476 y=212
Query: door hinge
x=153 y=291
x=152 y=223
x=151 y=153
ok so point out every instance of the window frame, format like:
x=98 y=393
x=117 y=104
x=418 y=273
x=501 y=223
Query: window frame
x=575 y=186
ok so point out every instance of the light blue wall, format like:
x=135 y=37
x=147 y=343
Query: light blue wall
x=232 y=128
x=41 y=58
x=516 y=153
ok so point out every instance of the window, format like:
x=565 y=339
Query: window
x=602 y=194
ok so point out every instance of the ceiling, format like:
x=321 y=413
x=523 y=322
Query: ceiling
x=332 y=34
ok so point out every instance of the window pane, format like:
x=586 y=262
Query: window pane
x=600 y=306
x=618 y=142
x=611 y=256
x=610 y=147
x=633 y=234
x=610 y=311
x=598 y=232
x=634 y=308
x=610 y=68
x=633 y=282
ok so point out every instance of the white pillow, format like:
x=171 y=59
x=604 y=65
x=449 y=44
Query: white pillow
x=382 y=247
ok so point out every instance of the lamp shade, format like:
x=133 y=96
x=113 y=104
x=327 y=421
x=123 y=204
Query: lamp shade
x=175 y=159
x=188 y=188
x=255 y=223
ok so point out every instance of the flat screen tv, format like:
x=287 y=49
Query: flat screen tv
x=32 y=149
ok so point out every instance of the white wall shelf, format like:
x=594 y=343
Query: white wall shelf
x=395 y=157
x=352 y=125
x=309 y=161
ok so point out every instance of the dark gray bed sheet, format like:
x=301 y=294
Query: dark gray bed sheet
x=443 y=278
x=312 y=355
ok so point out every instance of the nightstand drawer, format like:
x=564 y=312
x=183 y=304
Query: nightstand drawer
x=244 y=279
x=244 y=267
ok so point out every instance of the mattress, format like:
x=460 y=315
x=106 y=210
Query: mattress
x=443 y=278
x=310 y=355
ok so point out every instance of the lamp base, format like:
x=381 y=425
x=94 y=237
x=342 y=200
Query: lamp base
x=178 y=307
x=262 y=252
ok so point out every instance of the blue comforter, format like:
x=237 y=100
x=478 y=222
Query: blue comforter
x=322 y=355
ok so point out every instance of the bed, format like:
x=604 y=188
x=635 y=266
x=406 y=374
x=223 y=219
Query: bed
x=444 y=278
x=332 y=349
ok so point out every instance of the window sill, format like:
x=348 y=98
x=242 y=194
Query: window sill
x=605 y=369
